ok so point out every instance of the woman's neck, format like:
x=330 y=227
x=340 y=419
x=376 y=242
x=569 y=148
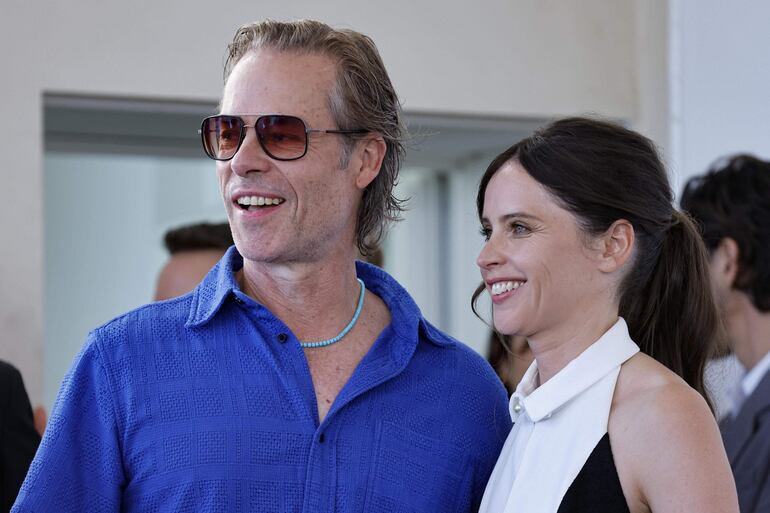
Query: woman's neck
x=555 y=347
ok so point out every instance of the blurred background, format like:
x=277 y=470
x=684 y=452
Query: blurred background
x=101 y=101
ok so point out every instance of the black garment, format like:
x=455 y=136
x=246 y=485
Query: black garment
x=597 y=487
x=747 y=443
x=18 y=438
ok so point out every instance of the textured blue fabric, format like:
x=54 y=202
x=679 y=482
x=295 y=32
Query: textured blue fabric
x=205 y=403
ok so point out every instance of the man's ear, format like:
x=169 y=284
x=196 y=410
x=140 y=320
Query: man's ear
x=371 y=152
x=724 y=263
x=615 y=246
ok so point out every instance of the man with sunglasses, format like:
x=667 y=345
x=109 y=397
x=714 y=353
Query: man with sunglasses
x=293 y=378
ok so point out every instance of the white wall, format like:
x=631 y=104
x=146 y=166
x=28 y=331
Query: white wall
x=524 y=58
x=652 y=82
x=721 y=81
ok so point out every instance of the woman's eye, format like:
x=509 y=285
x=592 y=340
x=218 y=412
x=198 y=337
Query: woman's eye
x=519 y=229
x=486 y=233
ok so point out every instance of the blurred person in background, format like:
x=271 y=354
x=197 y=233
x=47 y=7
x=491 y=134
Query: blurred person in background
x=193 y=250
x=731 y=205
x=510 y=357
x=18 y=437
x=293 y=378
x=588 y=259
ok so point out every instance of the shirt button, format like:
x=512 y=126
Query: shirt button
x=516 y=405
x=283 y=337
x=237 y=299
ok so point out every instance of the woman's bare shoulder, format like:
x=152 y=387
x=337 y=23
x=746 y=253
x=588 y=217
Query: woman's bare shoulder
x=663 y=433
x=645 y=384
x=655 y=408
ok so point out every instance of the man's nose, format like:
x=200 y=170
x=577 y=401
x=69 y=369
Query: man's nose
x=250 y=156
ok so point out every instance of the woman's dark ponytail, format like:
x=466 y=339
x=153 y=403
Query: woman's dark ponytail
x=668 y=305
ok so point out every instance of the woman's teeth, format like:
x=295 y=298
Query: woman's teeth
x=502 y=287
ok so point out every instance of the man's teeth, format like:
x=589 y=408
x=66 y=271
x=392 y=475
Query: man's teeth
x=258 y=201
x=501 y=287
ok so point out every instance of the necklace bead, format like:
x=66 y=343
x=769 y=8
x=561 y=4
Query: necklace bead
x=346 y=329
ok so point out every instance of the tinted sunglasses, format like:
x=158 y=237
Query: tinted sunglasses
x=281 y=137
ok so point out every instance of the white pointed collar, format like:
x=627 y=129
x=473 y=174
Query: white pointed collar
x=608 y=352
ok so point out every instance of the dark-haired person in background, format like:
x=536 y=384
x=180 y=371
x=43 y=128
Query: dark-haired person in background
x=587 y=258
x=194 y=250
x=731 y=204
x=18 y=437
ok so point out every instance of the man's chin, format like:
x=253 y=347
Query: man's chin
x=259 y=254
x=270 y=254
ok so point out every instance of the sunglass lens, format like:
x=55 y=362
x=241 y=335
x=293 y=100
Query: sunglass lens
x=282 y=137
x=221 y=136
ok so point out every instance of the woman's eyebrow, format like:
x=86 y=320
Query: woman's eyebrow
x=513 y=215
x=519 y=215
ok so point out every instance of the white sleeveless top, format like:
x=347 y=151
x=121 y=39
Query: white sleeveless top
x=556 y=427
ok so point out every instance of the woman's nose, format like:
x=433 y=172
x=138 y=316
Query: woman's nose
x=490 y=255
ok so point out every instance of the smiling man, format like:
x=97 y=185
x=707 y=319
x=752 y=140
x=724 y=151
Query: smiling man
x=293 y=378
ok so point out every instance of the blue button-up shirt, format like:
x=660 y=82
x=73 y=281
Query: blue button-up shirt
x=205 y=403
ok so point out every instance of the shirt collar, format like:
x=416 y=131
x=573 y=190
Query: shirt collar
x=406 y=318
x=752 y=378
x=539 y=403
x=405 y=314
x=215 y=287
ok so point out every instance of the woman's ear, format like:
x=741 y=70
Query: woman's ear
x=615 y=246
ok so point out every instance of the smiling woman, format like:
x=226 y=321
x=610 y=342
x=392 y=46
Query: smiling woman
x=587 y=258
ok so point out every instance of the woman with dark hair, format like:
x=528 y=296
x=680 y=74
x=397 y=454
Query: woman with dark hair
x=587 y=258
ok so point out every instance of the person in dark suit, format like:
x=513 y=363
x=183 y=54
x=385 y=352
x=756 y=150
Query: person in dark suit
x=18 y=437
x=731 y=203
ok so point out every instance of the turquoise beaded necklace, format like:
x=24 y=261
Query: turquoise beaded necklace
x=330 y=341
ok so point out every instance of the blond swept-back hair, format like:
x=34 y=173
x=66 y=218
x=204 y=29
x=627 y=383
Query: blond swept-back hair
x=363 y=97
